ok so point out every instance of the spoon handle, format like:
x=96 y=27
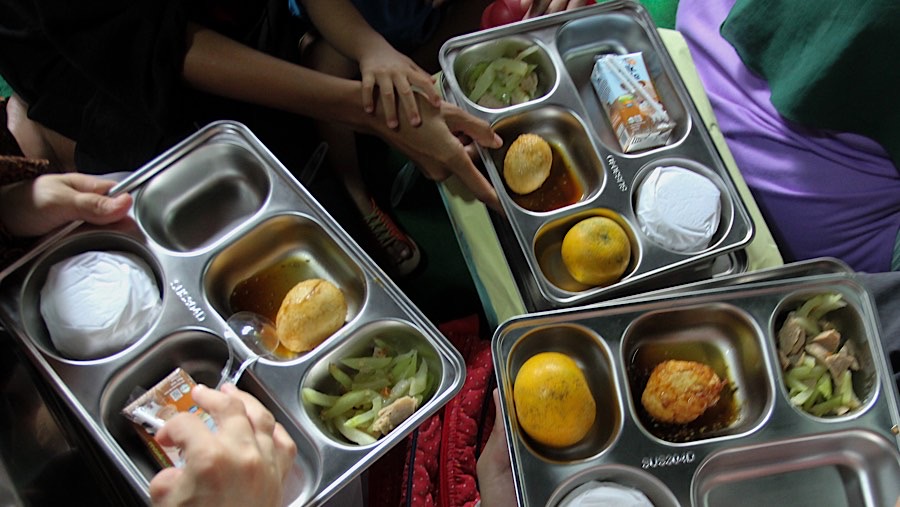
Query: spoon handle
x=233 y=371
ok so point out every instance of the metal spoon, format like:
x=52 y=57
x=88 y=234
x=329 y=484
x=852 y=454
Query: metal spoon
x=258 y=335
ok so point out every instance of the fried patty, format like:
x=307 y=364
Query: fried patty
x=527 y=163
x=680 y=391
x=310 y=312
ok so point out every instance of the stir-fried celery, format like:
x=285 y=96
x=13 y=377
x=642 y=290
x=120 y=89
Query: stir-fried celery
x=812 y=311
x=503 y=81
x=811 y=384
x=367 y=386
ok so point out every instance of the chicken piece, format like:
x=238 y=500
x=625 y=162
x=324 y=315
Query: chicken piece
x=843 y=360
x=490 y=101
x=791 y=336
x=680 y=391
x=849 y=349
x=391 y=416
x=829 y=340
x=818 y=351
x=529 y=84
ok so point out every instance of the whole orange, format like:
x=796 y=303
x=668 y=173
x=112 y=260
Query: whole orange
x=554 y=404
x=596 y=251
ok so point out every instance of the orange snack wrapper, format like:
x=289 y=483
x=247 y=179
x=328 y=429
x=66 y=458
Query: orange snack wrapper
x=163 y=401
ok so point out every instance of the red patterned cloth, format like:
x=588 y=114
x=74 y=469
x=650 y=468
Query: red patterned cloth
x=438 y=459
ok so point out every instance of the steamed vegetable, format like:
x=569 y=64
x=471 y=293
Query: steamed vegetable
x=376 y=393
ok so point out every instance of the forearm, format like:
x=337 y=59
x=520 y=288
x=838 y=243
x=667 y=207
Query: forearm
x=344 y=27
x=221 y=66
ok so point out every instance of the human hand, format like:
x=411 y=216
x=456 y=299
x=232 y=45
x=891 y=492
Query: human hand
x=393 y=72
x=436 y=146
x=493 y=468
x=244 y=462
x=35 y=207
x=535 y=8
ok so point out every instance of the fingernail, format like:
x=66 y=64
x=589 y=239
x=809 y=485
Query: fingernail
x=392 y=124
x=498 y=141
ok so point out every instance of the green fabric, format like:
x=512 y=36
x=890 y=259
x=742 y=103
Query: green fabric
x=5 y=90
x=830 y=63
x=662 y=11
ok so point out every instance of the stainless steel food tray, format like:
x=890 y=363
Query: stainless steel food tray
x=568 y=114
x=209 y=213
x=771 y=454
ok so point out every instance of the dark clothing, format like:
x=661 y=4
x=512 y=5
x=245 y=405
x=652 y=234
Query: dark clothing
x=108 y=73
x=405 y=24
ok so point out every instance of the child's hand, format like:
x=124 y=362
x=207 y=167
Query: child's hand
x=395 y=75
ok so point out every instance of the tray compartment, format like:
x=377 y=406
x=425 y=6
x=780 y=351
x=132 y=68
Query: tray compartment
x=841 y=469
x=850 y=323
x=548 y=249
x=509 y=47
x=592 y=355
x=577 y=173
x=720 y=336
x=99 y=241
x=657 y=492
x=400 y=335
x=579 y=41
x=726 y=205
x=256 y=271
x=202 y=356
x=196 y=201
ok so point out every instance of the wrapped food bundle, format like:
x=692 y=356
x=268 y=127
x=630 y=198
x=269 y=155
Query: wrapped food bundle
x=629 y=98
x=98 y=303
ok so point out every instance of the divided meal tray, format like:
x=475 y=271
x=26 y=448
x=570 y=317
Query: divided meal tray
x=772 y=453
x=211 y=212
x=568 y=114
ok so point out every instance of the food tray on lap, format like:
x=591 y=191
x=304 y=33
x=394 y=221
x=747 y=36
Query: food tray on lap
x=769 y=453
x=225 y=228
x=598 y=176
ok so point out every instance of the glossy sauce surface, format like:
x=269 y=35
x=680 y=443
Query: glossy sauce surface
x=263 y=292
x=560 y=189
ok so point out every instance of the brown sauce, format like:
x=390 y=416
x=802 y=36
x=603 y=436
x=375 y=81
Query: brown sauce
x=263 y=292
x=716 y=418
x=561 y=189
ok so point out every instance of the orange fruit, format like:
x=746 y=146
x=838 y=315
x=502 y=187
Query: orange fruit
x=596 y=251
x=554 y=404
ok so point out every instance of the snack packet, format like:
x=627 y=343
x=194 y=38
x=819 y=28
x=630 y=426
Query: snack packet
x=163 y=401
x=637 y=116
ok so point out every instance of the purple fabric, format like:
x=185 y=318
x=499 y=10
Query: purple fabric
x=821 y=193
